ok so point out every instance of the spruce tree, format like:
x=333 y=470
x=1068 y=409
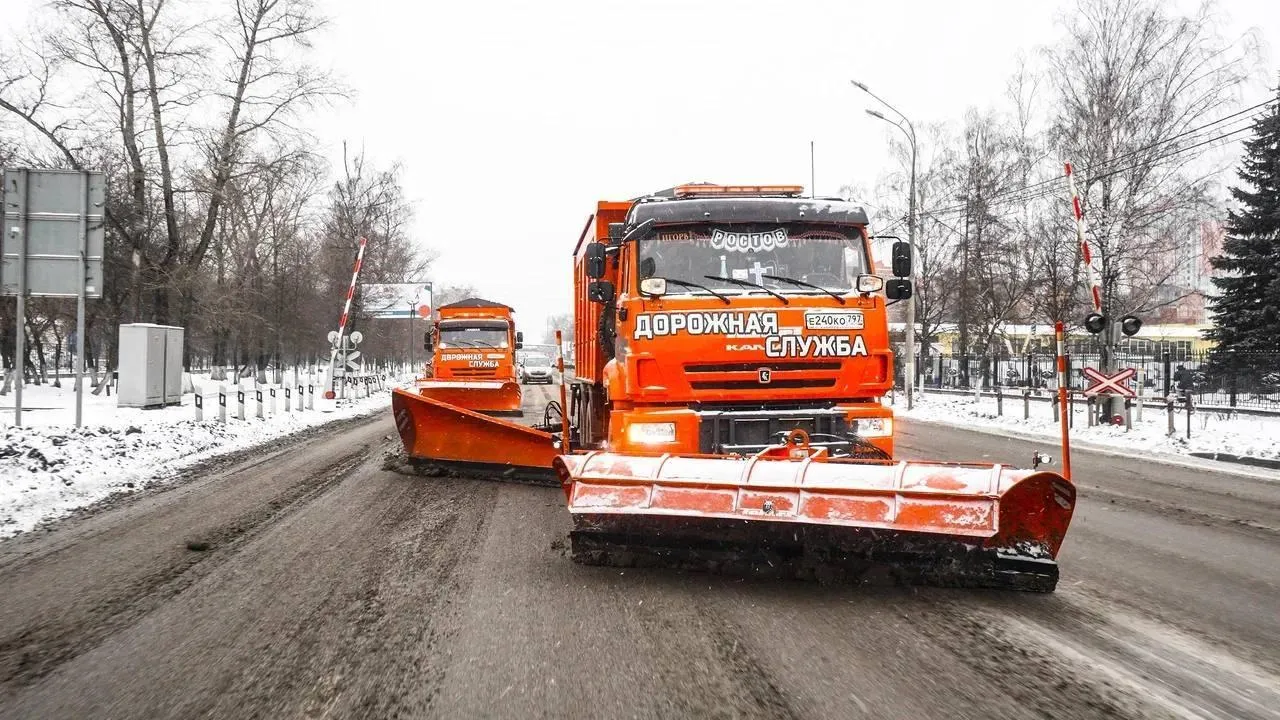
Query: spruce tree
x=1246 y=323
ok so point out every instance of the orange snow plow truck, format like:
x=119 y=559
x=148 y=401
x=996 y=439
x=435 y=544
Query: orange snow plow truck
x=472 y=346
x=732 y=349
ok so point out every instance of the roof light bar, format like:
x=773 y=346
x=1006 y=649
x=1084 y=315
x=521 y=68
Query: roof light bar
x=702 y=190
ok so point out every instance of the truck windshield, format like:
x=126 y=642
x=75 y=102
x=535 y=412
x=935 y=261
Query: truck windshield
x=824 y=257
x=472 y=335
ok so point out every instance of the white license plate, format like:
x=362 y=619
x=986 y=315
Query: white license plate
x=833 y=320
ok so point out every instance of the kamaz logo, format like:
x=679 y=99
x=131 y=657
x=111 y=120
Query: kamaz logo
x=766 y=375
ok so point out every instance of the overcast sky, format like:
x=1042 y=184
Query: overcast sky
x=512 y=118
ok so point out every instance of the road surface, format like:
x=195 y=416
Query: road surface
x=329 y=587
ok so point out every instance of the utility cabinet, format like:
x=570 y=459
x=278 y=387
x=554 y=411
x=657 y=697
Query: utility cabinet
x=150 y=372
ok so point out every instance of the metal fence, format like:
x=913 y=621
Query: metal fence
x=1255 y=381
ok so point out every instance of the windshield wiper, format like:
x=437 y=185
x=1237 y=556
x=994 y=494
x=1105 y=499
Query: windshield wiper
x=686 y=283
x=802 y=283
x=748 y=283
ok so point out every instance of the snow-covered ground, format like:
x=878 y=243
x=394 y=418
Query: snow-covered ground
x=48 y=467
x=1211 y=431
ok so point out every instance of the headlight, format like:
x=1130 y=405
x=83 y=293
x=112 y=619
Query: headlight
x=652 y=433
x=873 y=427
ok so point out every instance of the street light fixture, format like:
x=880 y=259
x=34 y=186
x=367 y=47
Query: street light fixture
x=910 y=132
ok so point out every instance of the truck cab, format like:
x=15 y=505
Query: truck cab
x=722 y=317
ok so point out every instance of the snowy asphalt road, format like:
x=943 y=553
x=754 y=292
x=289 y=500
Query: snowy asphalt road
x=333 y=588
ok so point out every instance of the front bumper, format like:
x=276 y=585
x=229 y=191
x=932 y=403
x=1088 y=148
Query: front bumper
x=748 y=431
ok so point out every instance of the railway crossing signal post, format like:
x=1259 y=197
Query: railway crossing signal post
x=1109 y=333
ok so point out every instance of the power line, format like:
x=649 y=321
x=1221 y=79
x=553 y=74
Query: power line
x=1031 y=192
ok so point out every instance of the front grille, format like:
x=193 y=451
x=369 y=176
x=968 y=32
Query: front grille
x=474 y=372
x=784 y=375
x=747 y=432
x=753 y=367
x=757 y=385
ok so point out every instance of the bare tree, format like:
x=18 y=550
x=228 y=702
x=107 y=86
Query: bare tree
x=1133 y=83
x=936 y=290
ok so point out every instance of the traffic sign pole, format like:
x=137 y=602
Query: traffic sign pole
x=80 y=295
x=19 y=363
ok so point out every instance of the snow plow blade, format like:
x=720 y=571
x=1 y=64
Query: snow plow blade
x=438 y=436
x=495 y=397
x=785 y=513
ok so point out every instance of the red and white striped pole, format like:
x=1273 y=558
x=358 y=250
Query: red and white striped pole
x=1095 y=291
x=342 y=323
x=1059 y=332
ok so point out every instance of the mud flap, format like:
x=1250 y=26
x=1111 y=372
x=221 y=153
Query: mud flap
x=812 y=517
x=453 y=439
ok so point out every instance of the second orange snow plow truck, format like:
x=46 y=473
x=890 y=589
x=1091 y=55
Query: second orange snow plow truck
x=732 y=349
x=473 y=346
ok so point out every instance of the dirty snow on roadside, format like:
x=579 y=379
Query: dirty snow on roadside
x=1211 y=431
x=49 y=468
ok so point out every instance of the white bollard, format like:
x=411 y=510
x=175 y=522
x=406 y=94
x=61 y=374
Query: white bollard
x=198 y=401
x=300 y=390
x=222 y=404
x=311 y=396
x=239 y=402
x=257 y=395
x=273 y=401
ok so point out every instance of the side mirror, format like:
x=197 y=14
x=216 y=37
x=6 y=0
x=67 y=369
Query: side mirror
x=595 y=260
x=897 y=289
x=519 y=340
x=600 y=291
x=870 y=283
x=902 y=259
x=427 y=344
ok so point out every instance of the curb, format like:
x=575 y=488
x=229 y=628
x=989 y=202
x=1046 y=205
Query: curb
x=1219 y=464
x=1241 y=459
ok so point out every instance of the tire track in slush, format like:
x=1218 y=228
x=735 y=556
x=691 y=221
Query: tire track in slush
x=368 y=649
x=39 y=649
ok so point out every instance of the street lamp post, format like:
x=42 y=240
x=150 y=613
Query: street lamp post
x=910 y=132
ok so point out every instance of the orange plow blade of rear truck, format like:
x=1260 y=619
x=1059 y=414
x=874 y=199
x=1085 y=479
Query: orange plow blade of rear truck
x=485 y=396
x=440 y=435
x=792 y=511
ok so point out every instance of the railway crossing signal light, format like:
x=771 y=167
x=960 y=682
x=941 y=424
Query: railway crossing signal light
x=1097 y=322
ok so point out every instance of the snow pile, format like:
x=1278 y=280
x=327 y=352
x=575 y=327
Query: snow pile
x=48 y=467
x=1211 y=431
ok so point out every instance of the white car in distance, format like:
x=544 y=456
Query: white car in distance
x=536 y=368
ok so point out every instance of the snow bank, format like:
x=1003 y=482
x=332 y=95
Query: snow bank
x=1211 y=430
x=49 y=468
